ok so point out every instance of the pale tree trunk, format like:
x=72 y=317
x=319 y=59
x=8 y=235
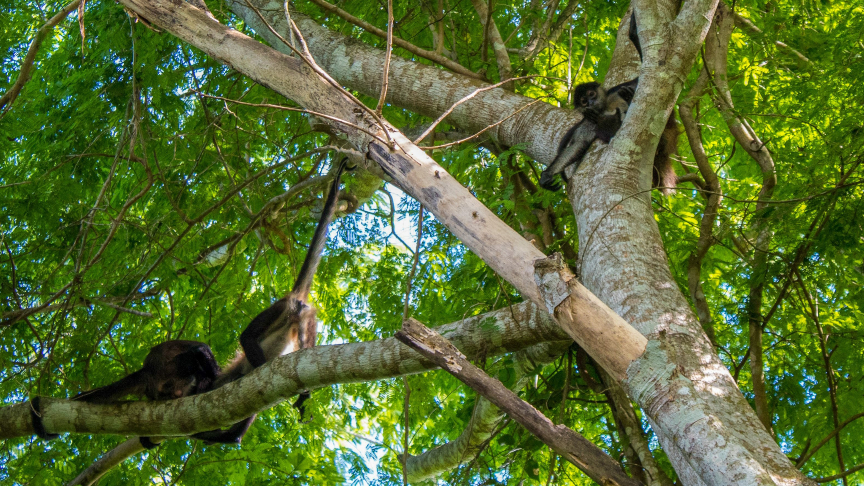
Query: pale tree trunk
x=702 y=420
x=624 y=263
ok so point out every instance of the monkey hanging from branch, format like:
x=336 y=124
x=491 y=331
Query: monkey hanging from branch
x=603 y=112
x=287 y=325
x=178 y=368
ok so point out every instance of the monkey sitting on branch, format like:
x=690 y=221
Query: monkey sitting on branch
x=603 y=112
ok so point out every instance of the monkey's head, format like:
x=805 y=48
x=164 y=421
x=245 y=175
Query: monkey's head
x=175 y=378
x=589 y=97
x=172 y=387
x=173 y=372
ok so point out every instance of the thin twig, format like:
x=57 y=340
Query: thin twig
x=388 y=53
x=310 y=61
x=299 y=110
x=438 y=147
x=463 y=100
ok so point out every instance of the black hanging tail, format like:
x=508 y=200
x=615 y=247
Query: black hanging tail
x=319 y=239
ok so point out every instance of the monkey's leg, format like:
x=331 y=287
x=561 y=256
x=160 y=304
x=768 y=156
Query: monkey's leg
x=232 y=435
x=250 y=337
x=571 y=154
x=132 y=384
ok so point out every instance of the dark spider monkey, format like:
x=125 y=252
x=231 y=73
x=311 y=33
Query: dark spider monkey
x=176 y=369
x=171 y=370
x=603 y=111
x=287 y=325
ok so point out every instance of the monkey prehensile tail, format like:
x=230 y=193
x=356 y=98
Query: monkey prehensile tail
x=603 y=112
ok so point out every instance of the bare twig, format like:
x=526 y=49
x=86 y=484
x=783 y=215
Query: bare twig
x=388 y=53
x=511 y=115
x=306 y=56
x=463 y=100
x=299 y=110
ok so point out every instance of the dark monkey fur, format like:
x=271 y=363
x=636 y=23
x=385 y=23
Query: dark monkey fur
x=603 y=112
x=171 y=370
x=178 y=368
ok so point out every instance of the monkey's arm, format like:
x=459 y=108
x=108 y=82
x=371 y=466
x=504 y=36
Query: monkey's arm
x=198 y=361
x=573 y=147
x=132 y=384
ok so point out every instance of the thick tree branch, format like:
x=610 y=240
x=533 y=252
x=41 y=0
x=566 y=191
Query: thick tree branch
x=423 y=89
x=430 y=55
x=493 y=333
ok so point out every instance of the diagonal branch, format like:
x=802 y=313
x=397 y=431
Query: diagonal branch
x=573 y=447
x=485 y=419
x=27 y=65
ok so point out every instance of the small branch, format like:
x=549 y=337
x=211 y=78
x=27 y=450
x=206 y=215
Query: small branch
x=463 y=100
x=804 y=458
x=511 y=115
x=714 y=195
x=300 y=110
x=813 y=306
x=493 y=36
x=388 y=55
x=306 y=56
x=105 y=463
x=15 y=316
x=576 y=449
x=747 y=26
x=27 y=64
x=841 y=475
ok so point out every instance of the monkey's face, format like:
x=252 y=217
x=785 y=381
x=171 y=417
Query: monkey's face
x=589 y=97
x=174 y=387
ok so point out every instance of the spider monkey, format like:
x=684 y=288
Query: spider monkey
x=603 y=112
x=171 y=370
x=287 y=325
x=176 y=368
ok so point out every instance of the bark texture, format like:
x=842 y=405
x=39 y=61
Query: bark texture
x=503 y=331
